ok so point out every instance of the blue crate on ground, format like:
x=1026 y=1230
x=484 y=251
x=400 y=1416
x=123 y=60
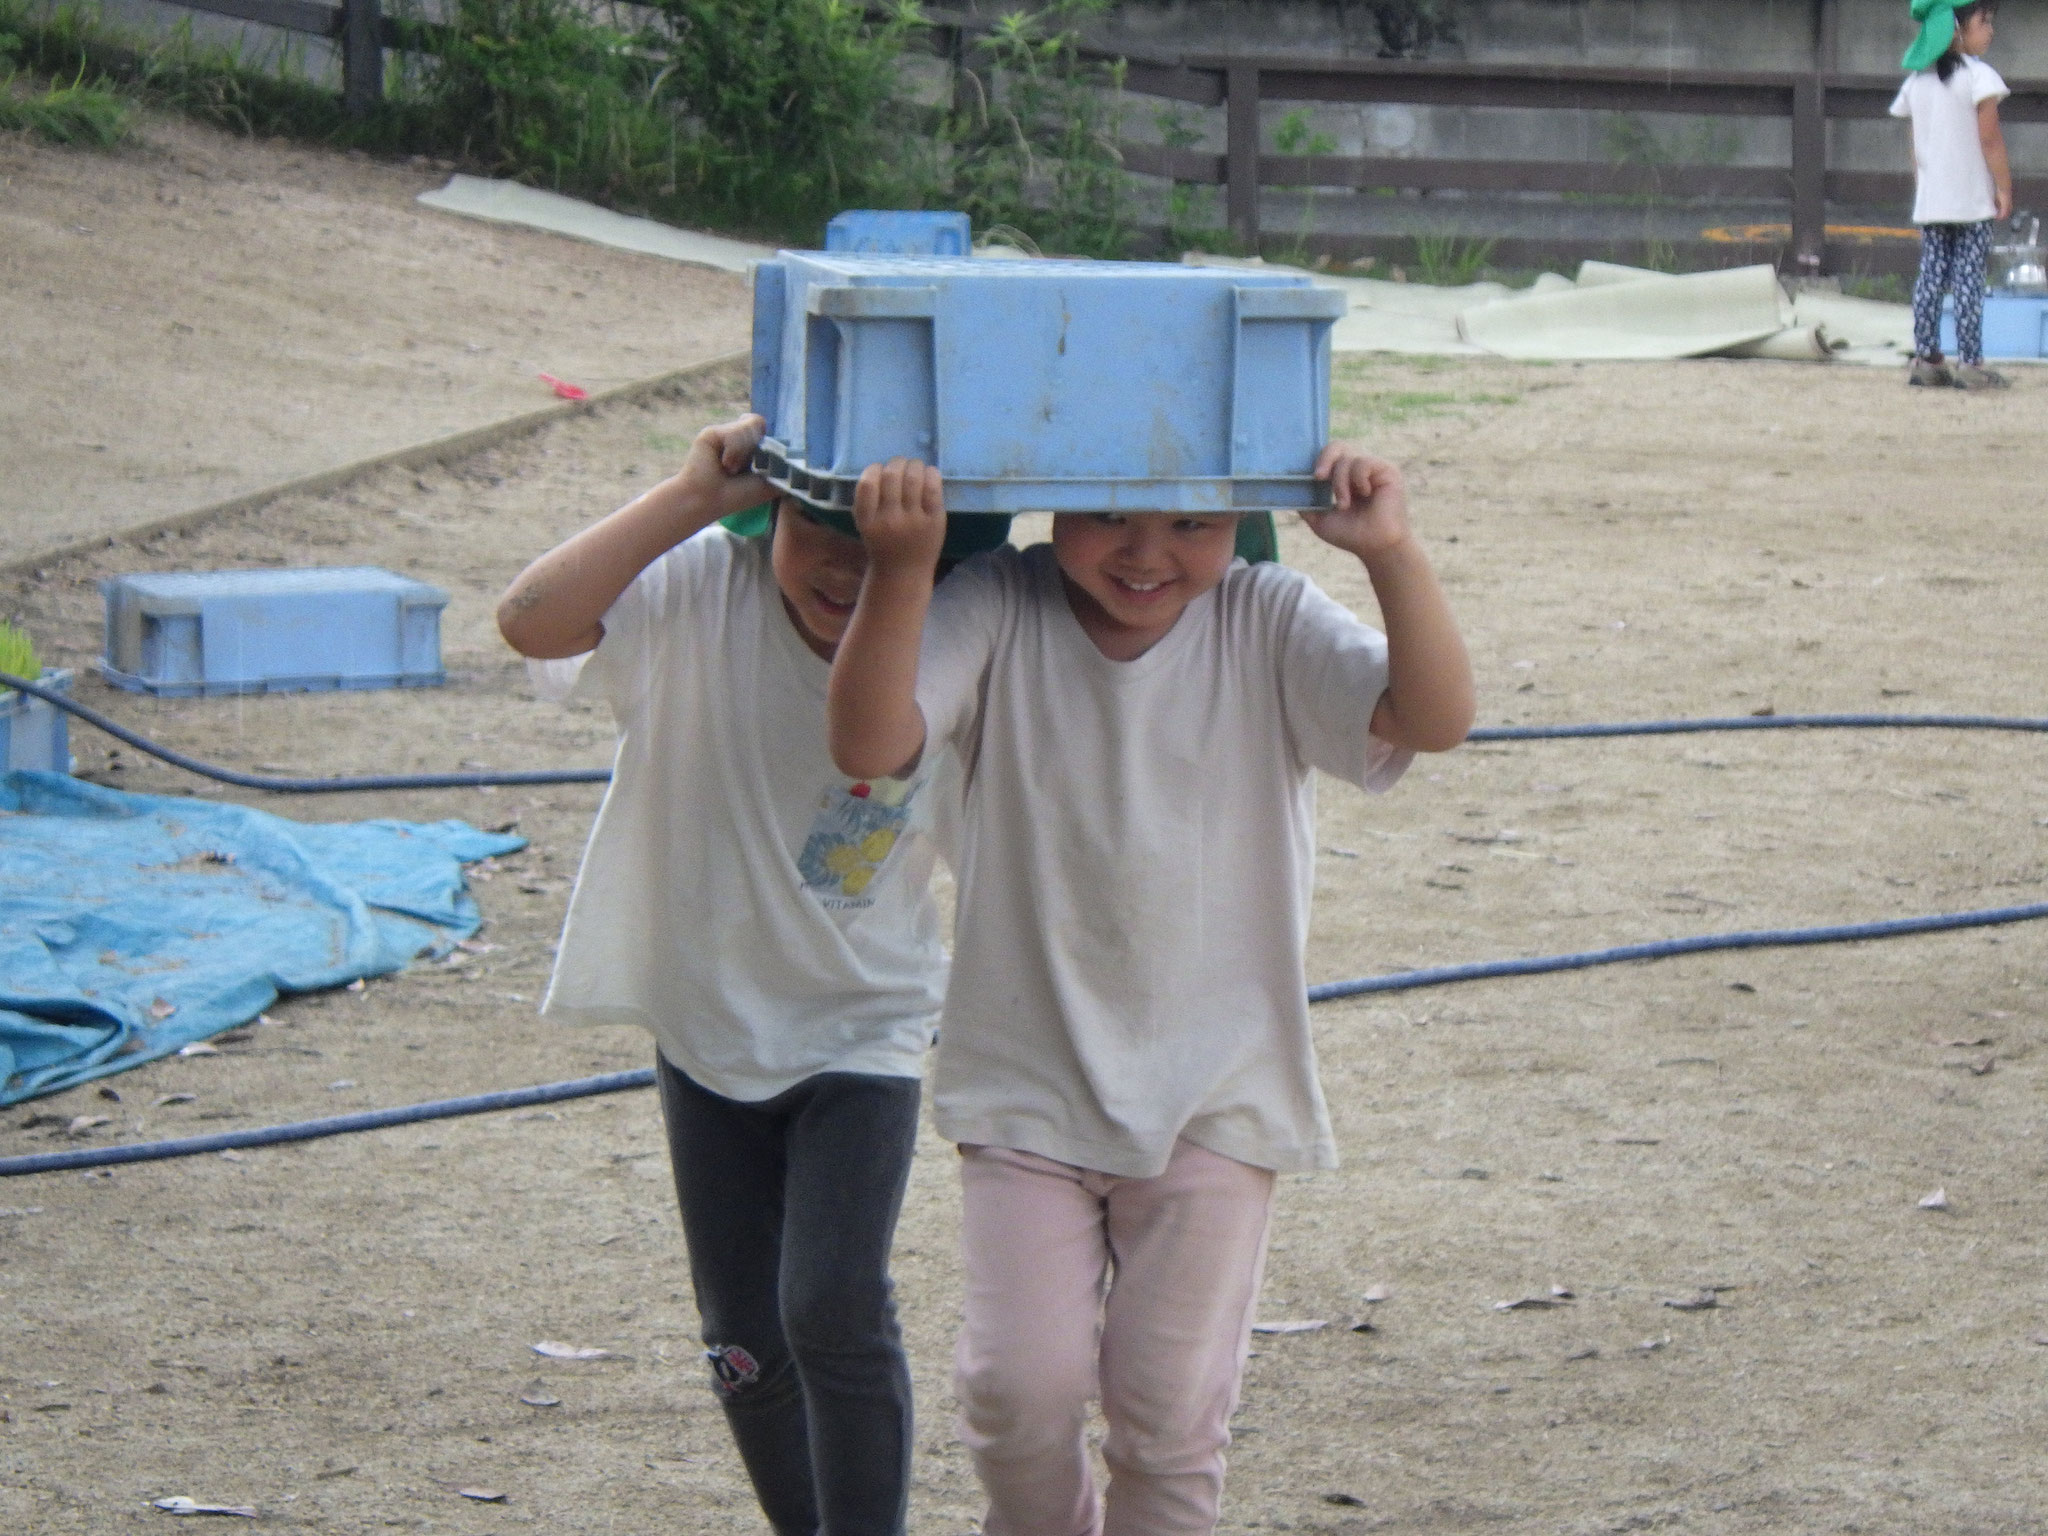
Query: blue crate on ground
x=2015 y=325
x=1044 y=385
x=35 y=735
x=184 y=633
x=893 y=232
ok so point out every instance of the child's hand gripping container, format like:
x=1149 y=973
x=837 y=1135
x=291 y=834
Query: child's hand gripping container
x=1057 y=386
x=182 y=633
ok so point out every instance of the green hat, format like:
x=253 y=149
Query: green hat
x=1937 y=20
x=967 y=533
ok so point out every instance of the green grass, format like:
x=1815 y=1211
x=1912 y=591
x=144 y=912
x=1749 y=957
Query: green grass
x=1388 y=391
x=1885 y=287
x=761 y=117
x=18 y=654
x=1449 y=261
x=91 y=114
x=1394 y=407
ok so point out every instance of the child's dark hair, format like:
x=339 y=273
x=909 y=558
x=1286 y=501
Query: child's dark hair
x=1952 y=61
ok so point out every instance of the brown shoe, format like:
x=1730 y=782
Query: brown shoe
x=1974 y=376
x=1928 y=374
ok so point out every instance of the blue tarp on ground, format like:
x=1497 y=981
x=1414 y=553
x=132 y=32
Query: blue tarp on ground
x=133 y=924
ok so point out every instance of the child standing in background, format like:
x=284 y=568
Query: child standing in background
x=769 y=921
x=1961 y=182
x=1125 y=1058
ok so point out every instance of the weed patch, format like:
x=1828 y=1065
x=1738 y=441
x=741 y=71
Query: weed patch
x=86 y=113
x=1449 y=261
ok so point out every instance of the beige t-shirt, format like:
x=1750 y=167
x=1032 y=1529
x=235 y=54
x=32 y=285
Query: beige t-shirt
x=764 y=915
x=1137 y=860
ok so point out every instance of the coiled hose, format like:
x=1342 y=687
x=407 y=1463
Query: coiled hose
x=1401 y=981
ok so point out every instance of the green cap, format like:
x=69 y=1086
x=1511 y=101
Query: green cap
x=967 y=533
x=1937 y=20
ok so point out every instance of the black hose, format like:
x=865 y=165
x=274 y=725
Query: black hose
x=1400 y=981
x=333 y=1125
x=294 y=786
x=1757 y=723
x=476 y=780
x=1659 y=949
x=1329 y=991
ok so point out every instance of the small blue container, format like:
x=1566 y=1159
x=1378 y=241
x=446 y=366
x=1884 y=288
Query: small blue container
x=183 y=633
x=1044 y=385
x=2015 y=325
x=35 y=735
x=892 y=232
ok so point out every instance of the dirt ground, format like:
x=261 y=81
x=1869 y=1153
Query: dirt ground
x=339 y=1333
x=198 y=316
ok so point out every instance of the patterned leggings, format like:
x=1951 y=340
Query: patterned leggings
x=1952 y=259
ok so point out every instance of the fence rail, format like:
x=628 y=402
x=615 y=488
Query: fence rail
x=1239 y=84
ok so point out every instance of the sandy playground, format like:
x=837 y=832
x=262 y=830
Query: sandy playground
x=340 y=1334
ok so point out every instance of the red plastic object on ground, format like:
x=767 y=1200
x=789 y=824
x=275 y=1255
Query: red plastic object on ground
x=563 y=388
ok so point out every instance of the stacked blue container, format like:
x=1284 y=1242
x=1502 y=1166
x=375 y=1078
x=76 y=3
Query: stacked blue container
x=2015 y=325
x=899 y=232
x=1044 y=385
x=180 y=634
x=35 y=734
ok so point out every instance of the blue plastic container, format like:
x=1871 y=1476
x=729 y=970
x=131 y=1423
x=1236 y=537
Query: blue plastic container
x=182 y=633
x=892 y=232
x=35 y=735
x=1044 y=385
x=2015 y=325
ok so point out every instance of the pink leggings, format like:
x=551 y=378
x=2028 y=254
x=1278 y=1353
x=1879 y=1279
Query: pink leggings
x=1139 y=1289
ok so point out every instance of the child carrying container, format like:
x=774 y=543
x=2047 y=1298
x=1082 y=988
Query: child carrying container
x=1962 y=181
x=1125 y=1058
x=769 y=920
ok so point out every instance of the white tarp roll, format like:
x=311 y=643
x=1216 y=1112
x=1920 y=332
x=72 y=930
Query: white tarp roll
x=507 y=202
x=1648 y=318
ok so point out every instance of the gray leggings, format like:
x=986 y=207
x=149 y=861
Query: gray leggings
x=789 y=1209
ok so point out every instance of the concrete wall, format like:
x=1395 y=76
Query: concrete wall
x=1726 y=34
x=1677 y=34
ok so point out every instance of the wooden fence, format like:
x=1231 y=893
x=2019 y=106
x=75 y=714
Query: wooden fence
x=1811 y=99
x=1240 y=83
x=358 y=28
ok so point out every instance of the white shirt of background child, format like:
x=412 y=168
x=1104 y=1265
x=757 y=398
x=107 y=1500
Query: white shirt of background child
x=1953 y=184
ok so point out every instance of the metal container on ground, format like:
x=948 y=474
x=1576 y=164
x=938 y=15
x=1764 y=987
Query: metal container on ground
x=178 y=634
x=1044 y=385
x=35 y=735
x=897 y=232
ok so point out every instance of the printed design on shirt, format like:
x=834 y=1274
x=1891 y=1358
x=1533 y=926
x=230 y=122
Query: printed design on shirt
x=732 y=1368
x=857 y=827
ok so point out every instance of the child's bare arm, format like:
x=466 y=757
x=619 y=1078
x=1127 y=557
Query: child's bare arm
x=873 y=723
x=556 y=606
x=1428 y=705
x=1992 y=137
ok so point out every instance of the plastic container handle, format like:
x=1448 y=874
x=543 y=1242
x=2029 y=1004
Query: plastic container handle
x=873 y=303
x=1292 y=304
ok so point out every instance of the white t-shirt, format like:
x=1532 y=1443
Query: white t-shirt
x=765 y=916
x=1952 y=182
x=1137 y=859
